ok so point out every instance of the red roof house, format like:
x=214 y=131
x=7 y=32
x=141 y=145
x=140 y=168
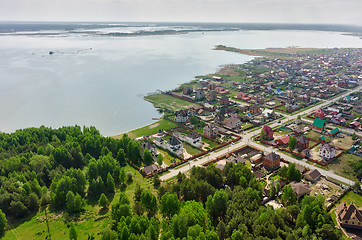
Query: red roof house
x=319 y=113
x=283 y=141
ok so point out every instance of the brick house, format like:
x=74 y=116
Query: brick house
x=254 y=109
x=271 y=161
x=318 y=124
x=302 y=143
x=319 y=113
x=187 y=90
x=224 y=100
x=210 y=131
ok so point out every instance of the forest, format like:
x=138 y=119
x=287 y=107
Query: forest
x=59 y=169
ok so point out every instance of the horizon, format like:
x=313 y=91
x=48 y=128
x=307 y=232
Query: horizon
x=223 y=11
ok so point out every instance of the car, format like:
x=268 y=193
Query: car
x=279 y=121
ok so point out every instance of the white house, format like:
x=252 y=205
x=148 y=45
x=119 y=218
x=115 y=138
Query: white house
x=181 y=116
x=194 y=139
x=173 y=145
x=268 y=113
x=291 y=104
x=326 y=151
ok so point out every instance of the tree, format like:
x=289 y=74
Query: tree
x=3 y=222
x=202 y=124
x=108 y=234
x=216 y=205
x=110 y=183
x=262 y=134
x=73 y=235
x=156 y=180
x=288 y=197
x=33 y=202
x=149 y=202
x=354 y=136
x=121 y=157
x=292 y=143
x=159 y=159
x=122 y=176
x=147 y=157
x=194 y=120
x=299 y=117
x=169 y=205
x=221 y=230
x=75 y=203
x=103 y=201
x=137 y=193
x=293 y=173
x=356 y=186
x=129 y=177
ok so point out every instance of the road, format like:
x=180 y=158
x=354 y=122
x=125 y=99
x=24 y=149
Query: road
x=246 y=136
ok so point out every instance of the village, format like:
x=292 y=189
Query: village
x=302 y=112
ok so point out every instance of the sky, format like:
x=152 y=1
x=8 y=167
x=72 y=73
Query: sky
x=240 y=11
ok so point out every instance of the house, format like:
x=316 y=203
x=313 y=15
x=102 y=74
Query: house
x=211 y=96
x=291 y=104
x=300 y=168
x=194 y=139
x=174 y=144
x=221 y=90
x=319 y=113
x=187 y=90
x=318 y=124
x=349 y=215
x=208 y=107
x=269 y=132
x=327 y=151
x=254 y=109
x=267 y=113
x=302 y=143
x=312 y=175
x=181 y=116
x=354 y=125
x=199 y=94
x=224 y=100
x=339 y=120
x=233 y=123
x=300 y=189
x=333 y=132
x=150 y=146
x=210 y=131
x=283 y=141
x=243 y=96
x=271 y=161
x=150 y=169
x=216 y=78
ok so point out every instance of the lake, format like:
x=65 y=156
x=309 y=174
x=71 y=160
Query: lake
x=100 y=80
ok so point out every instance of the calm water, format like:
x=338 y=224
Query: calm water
x=103 y=85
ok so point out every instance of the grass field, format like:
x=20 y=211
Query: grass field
x=351 y=196
x=211 y=144
x=342 y=165
x=168 y=102
x=153 y=128
x=92 y=221
x=190 y=149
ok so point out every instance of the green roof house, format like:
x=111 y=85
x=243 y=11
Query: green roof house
x=334 y=132
x=318 y=124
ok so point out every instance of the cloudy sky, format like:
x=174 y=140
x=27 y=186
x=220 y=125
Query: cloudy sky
x=273 y=11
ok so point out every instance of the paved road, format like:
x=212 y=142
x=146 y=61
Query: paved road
x=246 y=136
